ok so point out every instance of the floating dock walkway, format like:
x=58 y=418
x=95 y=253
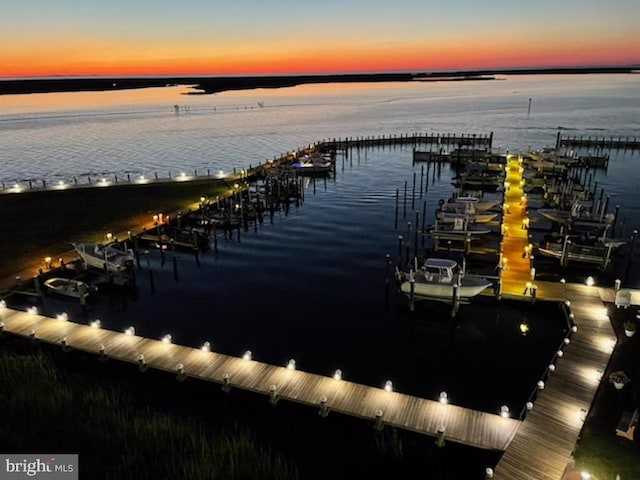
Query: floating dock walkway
x=611 y=143
x=461 y=425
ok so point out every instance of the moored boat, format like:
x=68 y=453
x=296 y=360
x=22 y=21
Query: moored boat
x=69 y=287
x=110 y=256
x=437 y=278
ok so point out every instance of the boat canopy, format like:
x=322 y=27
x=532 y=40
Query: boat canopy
x=440 y=263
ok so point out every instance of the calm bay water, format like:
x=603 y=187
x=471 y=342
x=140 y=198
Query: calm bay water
x=310 y=284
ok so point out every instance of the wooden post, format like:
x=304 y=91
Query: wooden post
x=379 y=426
x=273 y=395
x=226 y=385
x=397 y=201
x=324 y=409
x=413 y=192
x=440 y=439
x=412 y=289
x=404 y=203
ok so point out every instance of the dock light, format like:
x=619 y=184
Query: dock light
x=95 y=324
x=167 y=338
x=589 y=282
x=202 y=199
x=206 y=347
x=582 y=414
x=130 y=331
x=109 y=237
x=235 y=185
x=291 y=364
x=221 y=173
x=103 y=182
x=563 y=281
x=567 y=341
x=571 y=316
x=529 y=406
x=560 y=353
x=552 y=367
x=585 y=475
x=17 y=188
x=3 y=304
x=33 y=310
x=247 y=355
x=524 y=328
x=388 y=386
x=62 y=185
x=504 y=411
x=63 y=317
x=155 y=219
x=142 y=179
x=488 y=472
x=337 y=375
x=540 y=385
x=444 y=398
x=47 y=262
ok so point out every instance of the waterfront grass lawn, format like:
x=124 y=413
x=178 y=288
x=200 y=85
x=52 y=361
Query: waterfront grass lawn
x=605 y=456
x=42 y=223
x=47 y=409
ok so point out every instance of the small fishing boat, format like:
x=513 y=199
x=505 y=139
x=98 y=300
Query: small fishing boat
x=436 y=280
x=459 y=226
x=450 y=217
x=478 y=204
x=69 y=287
x=110 y=257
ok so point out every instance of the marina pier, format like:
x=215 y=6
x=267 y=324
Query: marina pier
x=537 y=444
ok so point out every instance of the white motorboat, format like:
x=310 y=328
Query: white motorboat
x=478 y=205
x=457 y=227
x=450 y=217
x=436 y=280
x=69 y=287
x=110 y=256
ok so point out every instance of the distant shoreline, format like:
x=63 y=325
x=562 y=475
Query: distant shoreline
x=210 y=85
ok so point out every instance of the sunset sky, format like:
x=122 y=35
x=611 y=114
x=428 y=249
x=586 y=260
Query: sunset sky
x=239 y=37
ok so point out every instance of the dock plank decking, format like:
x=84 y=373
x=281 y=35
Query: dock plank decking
x=462 y=425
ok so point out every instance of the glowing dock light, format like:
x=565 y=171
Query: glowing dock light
x=63 y=317
x=33 y=310
x=524 y=328
x=338 y=374
x=567 y=303
x=444 y=398
x=167 y=338
x=291 y=364
x=560 y=353
x=540 y=385
x=504 y=411
x=574 y=328
x=247 y=355
x=572 y=316
x=142 y=179
x=103 y=182
x=566 y=341
x=585 y=475
x=589 y=282
x=552 y=367
x=3 y=304
x=488 y=472
x=130 y=331
x=206 y=347
x=388 y=386
x=529 y=406
x=17 y=188
x=563 y=281
x=95 y=324
x=61 y=185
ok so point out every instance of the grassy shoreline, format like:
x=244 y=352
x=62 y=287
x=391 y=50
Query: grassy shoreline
x=42 y=223
x=216 y=84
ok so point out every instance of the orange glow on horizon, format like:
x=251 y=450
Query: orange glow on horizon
x=464 y=53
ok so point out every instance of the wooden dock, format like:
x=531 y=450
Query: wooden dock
x=545 y=442
x=462 y=425
x=610 y=143
x=469 y=140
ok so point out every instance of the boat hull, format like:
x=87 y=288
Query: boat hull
x=470 y=287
